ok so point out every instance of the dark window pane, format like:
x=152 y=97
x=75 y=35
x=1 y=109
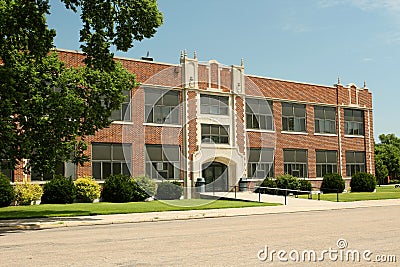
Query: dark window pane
x=96 y=170
x=332 y=156
x=116 y=168
x=300 y=110
x=101 y=152
x=287 y=109
x=330 y=113
x=320 y=156
x=106 y=169
x=289 y=155
x=301 y=156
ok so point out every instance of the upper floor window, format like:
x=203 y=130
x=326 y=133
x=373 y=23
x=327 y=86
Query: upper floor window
x=293 y=117
x=124 y=113
x=260 y=163
x=213 y=104
x=212 y=133
x=161 y=106
x=355 y=162
x=353 y=122
x=295 y=162
x=259 y=114
x=163 y=162
x=109 y=159
x=326 y=162
x=325 y=120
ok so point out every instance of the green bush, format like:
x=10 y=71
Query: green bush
x=169 y=191
x=268 y=182
x=26 y=193
x=146 y=184
x=394 y=181
x=332 y=183
x=87 y=189
x=305 y=185
x=59 y=190
x=122 y=188
x=7 y=194
x=363 y=182
x=287 y=181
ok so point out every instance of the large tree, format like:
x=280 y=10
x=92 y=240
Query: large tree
x=47 y=108
x=387 y=155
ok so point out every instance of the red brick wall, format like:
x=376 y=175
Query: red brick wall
x=277 y=90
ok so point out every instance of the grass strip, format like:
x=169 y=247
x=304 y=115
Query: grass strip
x=383 y=192
x=104 y=208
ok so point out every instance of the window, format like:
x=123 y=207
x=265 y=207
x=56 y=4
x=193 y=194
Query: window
x=355 y=162
x=295 y=162
x=259 y=114
x=293 y=117
x=353 y=122
x=325 y=120
x=260 y=163
x=211 y=133
x=109 y=159
x=124 y=113
x=60 y=170
x=213 y=104
x=161 y=106
x=326 y=162
x=7 y=172
x=163 y=162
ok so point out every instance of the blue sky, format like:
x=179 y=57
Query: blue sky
x=311 y=41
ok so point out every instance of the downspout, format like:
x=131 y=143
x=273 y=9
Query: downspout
x=339 y=131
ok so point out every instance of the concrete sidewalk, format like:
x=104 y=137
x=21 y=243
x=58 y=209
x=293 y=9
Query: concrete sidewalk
x=293 y=205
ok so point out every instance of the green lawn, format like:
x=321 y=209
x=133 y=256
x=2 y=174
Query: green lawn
x=383 y=192
x=102 y=208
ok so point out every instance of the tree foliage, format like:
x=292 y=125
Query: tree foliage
x=47 y=108
x=387 y=154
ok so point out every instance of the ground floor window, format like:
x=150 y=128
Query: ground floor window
x=326 y=162
x=163 y=162
x=260 y=163
x=8 y=172
x=295 y=162
x=355 y=162
x=109 y=159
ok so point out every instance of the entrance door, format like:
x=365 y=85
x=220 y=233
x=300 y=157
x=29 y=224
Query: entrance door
x=216 y=177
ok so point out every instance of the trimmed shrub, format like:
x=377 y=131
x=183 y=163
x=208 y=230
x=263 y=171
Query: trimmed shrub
x=268 y=182
x=363 y=182
x=59 y=190
x=26 y=193
x=287 y=181
x=332 y=183
x=7 y=194
x=146 y=184
x=87 y=189
x=122 y=188
x=305 y=185
x=169 y=191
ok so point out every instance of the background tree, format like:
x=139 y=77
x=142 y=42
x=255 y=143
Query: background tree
x=387 y=154
x=46 y=108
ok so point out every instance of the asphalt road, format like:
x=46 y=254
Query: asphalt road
x=236 y=241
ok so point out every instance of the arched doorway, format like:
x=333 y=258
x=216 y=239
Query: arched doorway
x=216 y=177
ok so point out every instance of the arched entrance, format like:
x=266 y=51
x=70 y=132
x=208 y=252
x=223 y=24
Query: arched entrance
x=216 y=177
